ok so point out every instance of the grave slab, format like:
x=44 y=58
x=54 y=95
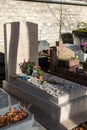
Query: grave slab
x=56 y=108
x=70 y=90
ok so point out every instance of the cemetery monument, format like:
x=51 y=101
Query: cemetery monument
x=56 y=97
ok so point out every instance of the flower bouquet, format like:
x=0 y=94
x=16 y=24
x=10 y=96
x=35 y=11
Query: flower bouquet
x=84 y=47
x=27 y=67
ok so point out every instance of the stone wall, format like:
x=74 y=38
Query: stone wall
x=46 y=15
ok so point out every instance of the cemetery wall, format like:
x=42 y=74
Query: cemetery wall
x=46 y=15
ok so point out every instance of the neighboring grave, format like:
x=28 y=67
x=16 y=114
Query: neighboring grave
x=56 y=97
x=79 y=37
x=21 y=43
x=63 y=52
x=77 y=50
x=62 y=56
x=43 y=45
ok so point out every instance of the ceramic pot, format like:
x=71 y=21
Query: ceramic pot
x=41 y=77
x=85 y=71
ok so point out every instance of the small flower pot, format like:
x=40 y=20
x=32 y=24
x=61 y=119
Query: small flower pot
x=85 y=71
x=41 y=77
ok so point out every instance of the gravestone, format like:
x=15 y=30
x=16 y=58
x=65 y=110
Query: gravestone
x=43 y=45
x=21 y=43
x=63 y=52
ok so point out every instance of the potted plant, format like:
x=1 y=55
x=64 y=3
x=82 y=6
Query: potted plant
x=84 y=65
x=40 y=72
x=37 y=72
x=27 y=67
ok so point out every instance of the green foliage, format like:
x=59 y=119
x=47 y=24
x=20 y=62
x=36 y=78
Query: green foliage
x=26 y=66
x=82 y=25
x=38 y=70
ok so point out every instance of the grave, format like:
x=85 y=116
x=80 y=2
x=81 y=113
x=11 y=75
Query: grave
x=6 y=103
x=56 y=97
x=62 y=56
x=77 y=50
x=80 y=37
x=43 y=45
x=21 y=43
x=59 y=102
x=65 y=67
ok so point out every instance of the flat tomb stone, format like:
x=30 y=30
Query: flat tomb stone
x=57 y=97
x=54 y=89
x=36 y=96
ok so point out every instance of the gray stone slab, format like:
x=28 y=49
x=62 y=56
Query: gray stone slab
x=74 y=94
x=73 y=108
x=49 y=108
x=75 y=121
x=6 y=100
x=33 y=89
x=57 y=112
x=45 y=120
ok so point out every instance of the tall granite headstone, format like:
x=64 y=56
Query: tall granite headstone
x=21 y=43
